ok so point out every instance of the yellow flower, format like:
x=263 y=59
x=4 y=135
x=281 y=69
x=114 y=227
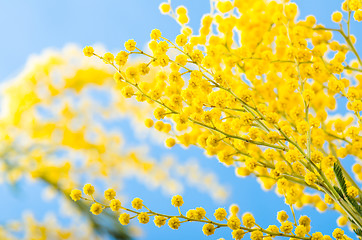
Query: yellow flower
x=181 y=40
x=220 y=214
x=213 y=141
x=121 y=58
x=224 y=6
x=174 y=223
x=354 y=5
x=352 y=191
x=238 y=234
x=165 y=8
x=304 y=220
x=300 y=231
x=282 y=216
x=248 y=220
x=108 y=57
x=124 y=218
x=286 y=227
x=310 y=178
x=208 y=229
x=127 y=91
x=256 y=235
x=143 y=218
x=342 y=221
x=358 y=15
x=317 y=236
x=170 y=142
x=117 y=77
x=149 y=122
x=115 y=205
x=130 y=45
x=96 y=208
x=155 y=34
x=76 y=194
x=88 y=189
x=159 y=221
x=177 y=201
x=234 y=222
x=137 y=203
x=109 y=194
x=338 y=233
x=88 y=51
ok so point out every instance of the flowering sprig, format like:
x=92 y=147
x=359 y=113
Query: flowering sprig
x=240 y=226
x=255 y=94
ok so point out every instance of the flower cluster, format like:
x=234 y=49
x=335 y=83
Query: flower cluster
x=50 y=134
x=254 y=87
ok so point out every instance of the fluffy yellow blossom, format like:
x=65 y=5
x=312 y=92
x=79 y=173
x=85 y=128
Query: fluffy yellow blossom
x=272 y=137
x=342 y=221
x=199 y=213
x=137 y=203
x=124 y=218
x=177 y=201
x=234 y=222
x=115 y=205
x=220 y=214
x=224 y=6
x=208 y=229
x=127 y=91
x=238 y=234
x=143 y=218
x=317 y=236
x=88 y=189
x=76 y=194
x=212 y=140
x=174 y=223
x=130 y=45
x=143 y=69
x=121 y=58
x=88 y=51
x=337 y=17
x=148 y=122
x=248 y=220
x=305 y=221
x=354 y=5
x=165 y=7
x=300 y=231
x=155 y=34
x=159 y=221
x=356 y=105
x=282 y=216
x=286 y=227
x=316 y=157
x=338 y=233
x=109 y=194
x=181 y=40
x=352 y=191
x=108 y=57
x=96 y=208
x=170 y=142
x=117 y=77
x=310 y=178
x=358 y=15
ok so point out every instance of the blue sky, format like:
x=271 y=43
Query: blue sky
x=28 y=27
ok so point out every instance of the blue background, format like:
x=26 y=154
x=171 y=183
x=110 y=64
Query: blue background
x=28 y=27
